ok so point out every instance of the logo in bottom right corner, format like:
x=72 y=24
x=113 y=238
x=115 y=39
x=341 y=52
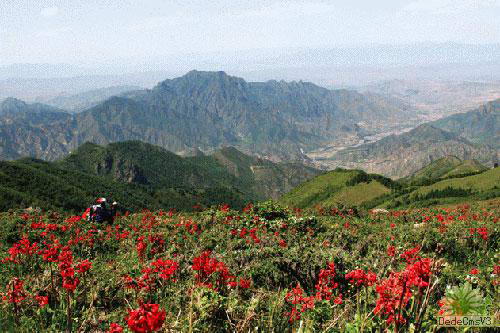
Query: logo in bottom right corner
x=464 y=306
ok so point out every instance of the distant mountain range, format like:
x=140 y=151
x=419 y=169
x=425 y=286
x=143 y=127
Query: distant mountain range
x=398 y=156
x=207 y=110
x=140 y=175
x=85 y=100
x=471 y=135
x=479 y=126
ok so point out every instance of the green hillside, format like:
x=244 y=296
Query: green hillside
x=41 y=184
x=152 y=166
x=400 y=156
x=438 y=168
x=339 y=188
x=141 y=175
x=482 y=186
x=141 y=163
x=448 y=166
x=485 y=181
x=466 y=167
x=453 y=183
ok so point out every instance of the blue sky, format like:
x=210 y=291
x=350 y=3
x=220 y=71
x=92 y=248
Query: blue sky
x=107 y=31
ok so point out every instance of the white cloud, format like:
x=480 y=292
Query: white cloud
x=49 y=11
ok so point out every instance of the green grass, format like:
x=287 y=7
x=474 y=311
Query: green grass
x=354 y=188
x=482 y=182
x=438 y=168
x=358 y=194
x=334 y=188
x=468 y=166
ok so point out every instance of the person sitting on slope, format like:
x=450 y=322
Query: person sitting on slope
x=97 y=212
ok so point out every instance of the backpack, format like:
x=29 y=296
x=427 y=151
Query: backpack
x=97 y=213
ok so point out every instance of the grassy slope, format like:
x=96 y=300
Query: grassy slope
x=357 y=194
x=466 y=167
x=331 y=189
x=468 y=189
x=481 y=182
x=340 y=188
x=438 y=168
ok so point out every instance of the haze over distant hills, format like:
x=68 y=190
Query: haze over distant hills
x=338 y=67
x=85 y=100
x=438 y=98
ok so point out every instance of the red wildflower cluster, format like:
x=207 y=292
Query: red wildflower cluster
x=248 y=208
x=23 y=247
x=67 y=270
x=391 y=251
x=324 y=290
x=326 y=282
x=299 y=302
x=83 y=266
x=141 y=247
x=115 y=328
x=147 y=318
x=73 y=219
x=51 y=251
x=395 y=291
x=190 y=226
x=159 y=269
x=252 y=233
x=16 y=293
x=208 y=267
x=482 y=232
x=42 y=300
x=411 y=255
x=358 y=277
x=165 y=268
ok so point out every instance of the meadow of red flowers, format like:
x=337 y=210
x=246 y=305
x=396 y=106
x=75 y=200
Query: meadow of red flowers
x=265 y=268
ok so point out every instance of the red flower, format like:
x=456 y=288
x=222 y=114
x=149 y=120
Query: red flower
x=244 y=283
x=359 y=277
x=115 y=328
x=141 y=247
x=474 y=271
x=42 y=300
x=84 y=266
x=326 y=282
x=73 y=219
x=165 y=268
x=16 y=292
x=338 y=299
x=391 y=251
x=147 y=318
x=70 y=283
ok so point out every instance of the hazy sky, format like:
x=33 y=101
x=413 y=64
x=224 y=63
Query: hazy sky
x=103 y=31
